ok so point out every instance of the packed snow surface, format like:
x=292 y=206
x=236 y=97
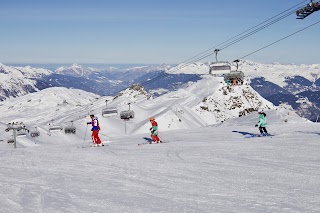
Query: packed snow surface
x=211 y=169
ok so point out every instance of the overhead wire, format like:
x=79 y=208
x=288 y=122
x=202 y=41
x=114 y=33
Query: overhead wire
x=234 y=41
x=280 y=39
x=216 y=46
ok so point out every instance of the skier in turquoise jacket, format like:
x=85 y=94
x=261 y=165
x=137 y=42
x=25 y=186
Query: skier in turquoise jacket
x=154 y=131
x=262 y=123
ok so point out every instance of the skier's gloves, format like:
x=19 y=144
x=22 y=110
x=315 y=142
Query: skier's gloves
x=256 y=125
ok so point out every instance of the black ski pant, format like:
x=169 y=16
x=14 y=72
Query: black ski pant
x=263 y=130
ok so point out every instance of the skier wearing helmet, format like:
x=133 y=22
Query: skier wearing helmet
x=262 y=123
x=154 y=131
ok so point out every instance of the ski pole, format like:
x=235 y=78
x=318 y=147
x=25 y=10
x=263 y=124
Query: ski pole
x=271 y=129
x=85 y=134
x=162 y=139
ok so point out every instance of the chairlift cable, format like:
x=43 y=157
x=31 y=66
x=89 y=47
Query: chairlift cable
x=241 y=38
x=281 y=39
x=257 y=30
x=212 y=48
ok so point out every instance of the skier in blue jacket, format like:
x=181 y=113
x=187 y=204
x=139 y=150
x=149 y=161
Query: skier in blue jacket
x=95 y=131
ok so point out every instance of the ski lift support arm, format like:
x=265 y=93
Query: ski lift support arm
x=15 y=126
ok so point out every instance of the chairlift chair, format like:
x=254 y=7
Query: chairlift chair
x=234 y=74
x=219 y=67
x=21 y=133
x=308 y=10
x=11 y=140
x=70 y=129
x=127 y=114
x=55 y=128
x=35 y=133
x=107 y=112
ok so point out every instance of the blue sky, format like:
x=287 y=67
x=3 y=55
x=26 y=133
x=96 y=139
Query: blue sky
x=148 y=31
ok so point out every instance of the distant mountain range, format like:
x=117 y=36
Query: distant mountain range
x=297 y=86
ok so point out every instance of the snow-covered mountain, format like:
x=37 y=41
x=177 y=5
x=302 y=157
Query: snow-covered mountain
x=279 y=74
x=287 y=84
x=103 y=81
x=205 y=165
x=205 y=102
x=278 y=83
x=17 y=81
x=76 y=70
x=193 y=68
x=43 y=106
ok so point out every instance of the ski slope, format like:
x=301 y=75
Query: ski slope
x=208 y=169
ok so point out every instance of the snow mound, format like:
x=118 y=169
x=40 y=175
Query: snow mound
x=45 y=105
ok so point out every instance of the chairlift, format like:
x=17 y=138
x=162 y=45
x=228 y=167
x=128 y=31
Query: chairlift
x=108 y=111
x=54 y=128
x=35 y=133
x=235 y=76
x=11 y=140
x=219 y=67
x=127 y=114
x=70 y=129
x=308 y=10
x=21 y=133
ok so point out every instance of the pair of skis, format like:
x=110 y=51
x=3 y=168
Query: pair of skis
x=93 y=145
x=146 y=143
x=258 y=135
